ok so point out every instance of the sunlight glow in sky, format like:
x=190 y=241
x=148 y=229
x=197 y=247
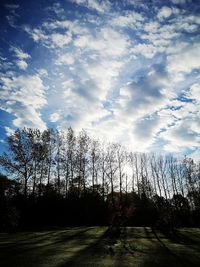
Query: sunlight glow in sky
x=127 y=71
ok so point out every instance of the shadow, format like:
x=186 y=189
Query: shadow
x=187 y=237
x=97 y=247
x=35 y=252
x=25 y=244
x=111 y=249
x=171 y=251
x=168 y=251
x=93 y=253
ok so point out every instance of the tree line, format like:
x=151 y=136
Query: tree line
x=60 y=178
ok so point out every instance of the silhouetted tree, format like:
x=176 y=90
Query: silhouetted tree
x=18 y=161
x=59 y=178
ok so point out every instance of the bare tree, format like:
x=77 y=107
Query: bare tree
x=83 y=141
x=155 y=174
x=19 y=158
x=94 y=161
x=121 y=159
x=111 y=170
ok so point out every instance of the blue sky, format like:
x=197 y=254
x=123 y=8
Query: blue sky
x=127 y=71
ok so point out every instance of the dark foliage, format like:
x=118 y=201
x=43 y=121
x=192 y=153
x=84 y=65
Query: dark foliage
x=61 y=179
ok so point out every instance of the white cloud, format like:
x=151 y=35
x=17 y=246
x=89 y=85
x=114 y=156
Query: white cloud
x=195 y=155
x=23 y=96
x=160 y=36
x=22 y=56
x=194 y=92
x=19 y=53
x=144 y=96
x=28 y=90
x=36 y=34
x=108 y=42
x=11 y=18
x=138 y=135
x=27 y=117
x=54 y=117
x=60 y=40
x=80 y=113
x=102 y=6
x=65 y=59
x=185 y=60
x=74 y=27
x=42 y=72
x=9 y=131
x=145 y=131
x=50 y=40
x=187 y=23
x=103 y=74
x=137 y=112
x=68 y=84
x=22 y=64
x=119 y=75
x=57 y=9
x=179 y=1
x=164 y=12
x=131 y=20
x=168 y=38
x=184 y=134
x=146 y=50
x=152 y=26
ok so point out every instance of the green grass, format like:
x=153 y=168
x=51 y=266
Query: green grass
x=89 y=246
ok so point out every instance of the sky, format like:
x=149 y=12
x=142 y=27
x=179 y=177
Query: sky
x=126 y=71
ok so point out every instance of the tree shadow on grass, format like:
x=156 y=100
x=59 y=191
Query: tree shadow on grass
x=97 y=254
x=35 y=252
x=172 y=250
x=110 y=250
x=188 y=237
x=95 y=247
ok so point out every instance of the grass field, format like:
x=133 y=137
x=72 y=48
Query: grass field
x=89 y=246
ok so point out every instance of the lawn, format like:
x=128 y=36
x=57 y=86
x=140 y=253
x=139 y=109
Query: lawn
x=91 y=246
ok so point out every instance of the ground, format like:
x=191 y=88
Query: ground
x=93 y=247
